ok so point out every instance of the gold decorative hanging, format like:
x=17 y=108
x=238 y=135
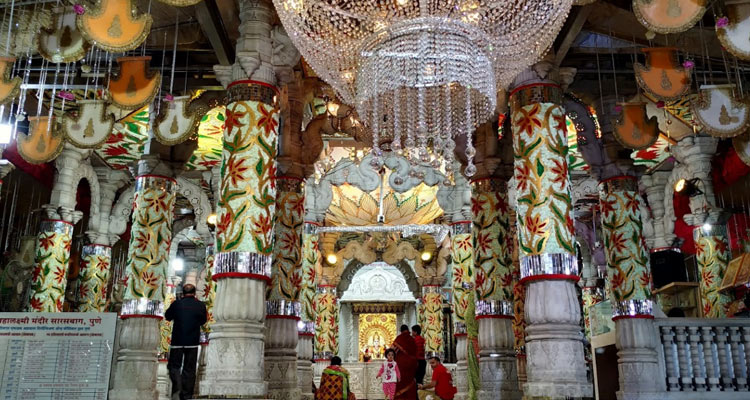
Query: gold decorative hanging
x=9 y=87
x=62 y=42
x=633 y=129
x=113 y=25
x=735 y=36
x=719 y=112
x=175 y=124
x=742 y=147
x=180 y=3
x=669 y=16
x=662 y=77
x=42 y=144
x=134 y=86
x=91 y=127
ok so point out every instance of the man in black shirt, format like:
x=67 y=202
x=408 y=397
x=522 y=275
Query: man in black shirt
x=187 y=314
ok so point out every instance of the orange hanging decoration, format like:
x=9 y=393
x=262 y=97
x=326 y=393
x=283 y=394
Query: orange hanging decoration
x=42 y=144
x=134 y=86
x=633 y=129
x=113 y=25
x=662 y=77
x=669 y=16
x=9 y=88
x=62 y=42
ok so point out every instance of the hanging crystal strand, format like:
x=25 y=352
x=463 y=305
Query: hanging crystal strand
x=375 y=124
x=423 y=155
x=437 y=142
x=409 y=124
x=396 y=145
x=470 y=169
x=448 y=144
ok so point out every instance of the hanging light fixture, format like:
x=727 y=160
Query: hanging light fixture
x=421 y=74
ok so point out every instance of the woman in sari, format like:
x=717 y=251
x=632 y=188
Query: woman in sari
x=334 y=383
x=406 y=359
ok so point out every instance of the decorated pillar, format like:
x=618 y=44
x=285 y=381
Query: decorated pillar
x=431 y=320
x=326 y=309
x=163 y=383
x=591 y=291
x=555 y=359
x=206 y=293
x=493 y=260
x=712 y=255
x=143 y=300
x=306 y=329
x=50 y=277
x=466 y=331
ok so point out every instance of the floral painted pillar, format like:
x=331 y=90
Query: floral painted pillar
x=283 y=306
x=206 y=293
x=326 y=308
x=50 y=277
x=712 y=255
x=94 y=277
x=555 y=360
x=493 y=260
x=244 y=241
x=431 y=320
x=463 y=283
x=306 y=329
x=143 y=301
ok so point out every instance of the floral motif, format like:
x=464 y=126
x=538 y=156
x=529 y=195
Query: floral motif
x=248 y=193
x=165 y=327
x=462 y=253
x=310 y=261
x=285 y=276
x=127 y=142
x=150 y=238
x=210 y=133
x=208 y=292
x=94 y=277
x=519 y=303
x=326 y=308
x=492 y=258
x=713 y=256
x=544 y=205
x=47 y=292
x=627 y=259
x=431 y=314
x=590 y=297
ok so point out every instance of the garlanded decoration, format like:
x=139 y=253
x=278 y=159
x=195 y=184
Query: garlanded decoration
x=50 y=276
x=128 y=140
x=180 y=3
x=42 y=144
x=712 y=255
x=94 y=278
x=326 y=309
x=544 y=205
x=90 y=127
x=462 y=276
x=628 y=271
x=247 y=199
x=62 y=42
x=133 y=87
x=310 y=265
x=9 y=87
x=175 y=124
x=165 y=327
x=741 y=145
x=735 y=34
x=432 y=319
x=669 y=16
x=633 y=129
x=720 y=112
x=114 y=25
x=493 y=243
x=210 y=133
x=150 y=238
x=662 y=77
x=207 y=289
x=286 y=275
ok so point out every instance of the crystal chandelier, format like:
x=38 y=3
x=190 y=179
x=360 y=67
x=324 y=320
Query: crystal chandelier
x=422 y=72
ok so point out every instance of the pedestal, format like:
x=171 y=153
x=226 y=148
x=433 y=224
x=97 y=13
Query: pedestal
x=497 y=361
x=281 y=358
x=200 y=372
x=461 y=378
x=163 y=383
x=304 y=365
x=637 y=360
x=554 y=342
x=136 y=372
x=234 y=358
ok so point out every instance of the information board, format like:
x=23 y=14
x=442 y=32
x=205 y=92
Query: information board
x=55 y=355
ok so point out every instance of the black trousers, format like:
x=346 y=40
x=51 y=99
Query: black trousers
x=181 y=365
x=421 y=369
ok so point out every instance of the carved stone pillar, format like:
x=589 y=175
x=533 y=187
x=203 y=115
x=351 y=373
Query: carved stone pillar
x=326 y=309
x=50 y=277
x=654 y=185
x=431 y=318
x=143 y=304
x=461 y=380
x=493 y=258
x=310 y=264
x=555 y=360
x=591 y=292
x=163 y=383
x=306 y=334
x=280 y=356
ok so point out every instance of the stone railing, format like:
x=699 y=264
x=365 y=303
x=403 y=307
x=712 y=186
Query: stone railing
x=705 y=358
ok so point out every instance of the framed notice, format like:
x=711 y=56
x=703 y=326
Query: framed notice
x=55 y=355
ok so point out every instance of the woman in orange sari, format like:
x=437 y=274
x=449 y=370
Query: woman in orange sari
x=406 y=359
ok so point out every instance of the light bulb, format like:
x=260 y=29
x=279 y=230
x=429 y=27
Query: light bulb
x=426 y=256
x=331 y=258
x=178 y=264
x=212 y=219
x=680 y=185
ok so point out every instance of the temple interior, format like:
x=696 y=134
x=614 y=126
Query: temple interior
x=556 y=191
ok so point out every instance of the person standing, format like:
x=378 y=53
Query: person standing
x=390 y=374
x=416 y=333
x=187 y=314
x=441 y=385
x=406 y=359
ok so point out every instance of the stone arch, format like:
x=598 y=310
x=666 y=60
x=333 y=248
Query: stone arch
x=355 y=265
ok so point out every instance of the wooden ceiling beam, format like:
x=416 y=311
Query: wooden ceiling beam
x=209 y=18
x=579 y=18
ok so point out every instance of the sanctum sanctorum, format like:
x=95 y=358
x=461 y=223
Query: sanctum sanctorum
x=296 y=199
